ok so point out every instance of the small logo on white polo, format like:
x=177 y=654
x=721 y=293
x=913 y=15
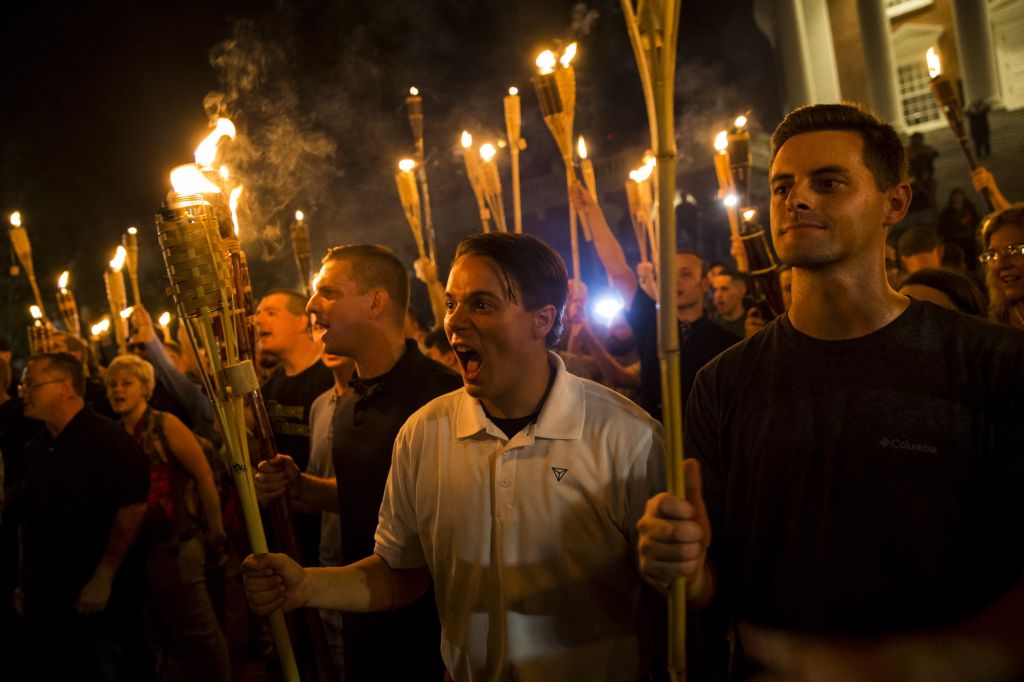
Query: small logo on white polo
x=559 y=473
x=901 y=444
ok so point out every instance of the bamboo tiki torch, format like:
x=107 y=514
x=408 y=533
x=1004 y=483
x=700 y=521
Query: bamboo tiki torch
x=654 y=35
x=513 y=125
x=945 y=95
x=130 y=241
x=490 y=185
x=589 y=181
x=405 y=181
x=302 y=251
x=165 y=325
x=23 y=250
x=67 y=307
x=414 y=104
x=201 y=286
x=96 y=334
x=473 y=175
x=638 y=195
x=117 y=298
x=556 y=93
x=40 y=333
x=726 y=188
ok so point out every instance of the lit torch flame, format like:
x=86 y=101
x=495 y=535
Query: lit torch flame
x=721 y=142
x=62 y=281
x=188 y=179
x=164 y=320
x=546 y=62
x=16 y=219
x=731 y=200
x=224 y=173
x=649 y=162
x=581 y=147
x=133 y=230
x=406 y=165
x=487 y=152
x=641 y=174
x=567 y=55
x=741 y=121
x=206 y=152
x=101 y=327
x=467 y=139
x=749 y=214
x=118 y=262
x=513 y=91
x=414 y=91
x=233 y=206
x=299 y=216
x=934 y=64
x=37 y=314
x=127 y=312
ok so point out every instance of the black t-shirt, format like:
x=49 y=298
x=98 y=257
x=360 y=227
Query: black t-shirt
x=699 y=342
x=288 y=399
x=366 y=421
x=75 y=485
x=864 y=486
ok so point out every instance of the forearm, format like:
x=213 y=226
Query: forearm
x=365 y=586
x=612 y=257
x=314 y=494
x=126 y=526
x=187 y=392
x=613 y=373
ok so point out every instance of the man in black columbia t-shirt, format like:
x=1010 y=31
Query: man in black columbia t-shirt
x=861 y=457
x=359 y=307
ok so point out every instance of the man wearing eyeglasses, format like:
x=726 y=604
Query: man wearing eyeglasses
x=80 y=508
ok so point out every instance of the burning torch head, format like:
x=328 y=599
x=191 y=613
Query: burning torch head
x=190 y=241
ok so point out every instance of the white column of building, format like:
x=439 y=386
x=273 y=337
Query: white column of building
x=822 y=52
x=974 y=43
x=789 y=33
x=880 y=66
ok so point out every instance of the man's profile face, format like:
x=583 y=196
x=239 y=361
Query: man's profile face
x=42 y=390
x=493 y=337
x=338 y=309
x=728 y=295
x=277 y=327
x=690 y=285
x=826 y=206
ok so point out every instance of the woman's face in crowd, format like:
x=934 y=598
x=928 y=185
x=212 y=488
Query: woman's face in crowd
x=1008 y=270
x=124 y=391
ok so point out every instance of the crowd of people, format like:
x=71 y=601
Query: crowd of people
x=487 y=499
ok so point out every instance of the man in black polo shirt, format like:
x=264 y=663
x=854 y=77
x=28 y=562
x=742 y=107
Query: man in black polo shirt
x=80 y=508
x=362 y=293
x=700 y=339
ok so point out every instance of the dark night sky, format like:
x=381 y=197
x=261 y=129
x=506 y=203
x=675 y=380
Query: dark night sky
x=101 y=100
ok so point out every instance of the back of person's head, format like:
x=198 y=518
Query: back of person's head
x=883 y=153
x=373 y=266
x=64 y=365
x=959 y=289
x=917 y=240
x=535 y=275
x=137 y=367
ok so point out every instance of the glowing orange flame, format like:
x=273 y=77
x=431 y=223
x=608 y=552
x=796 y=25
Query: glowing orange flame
x=641 y=174
x=513 y=91
x=188 y=179
x=233 y=206
x=731 y=200
x=300 y=216
x=749 y=214
x=406 y=165
x=127 y=312
x=133 y=230
x=467 y=139
x=546 y=62
x=934 y=63
x=414 y=91
x=741 y=121
x=567 y=55
x=206 y=152
x=101 y=327
x=581 y=148
x=224 y=173
x=37 y=313
x=62 y=281
x=721 y=142
x=16 y=219
x=487 y=152
x=118 y=262
x=164 y=320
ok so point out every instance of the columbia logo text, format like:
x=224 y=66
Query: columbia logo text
x=900 y=444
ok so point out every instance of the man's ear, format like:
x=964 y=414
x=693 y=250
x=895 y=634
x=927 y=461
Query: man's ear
x=897 y=203
x=543 y=321
x=379 y=299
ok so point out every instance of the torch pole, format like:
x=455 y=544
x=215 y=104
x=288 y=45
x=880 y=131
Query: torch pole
x=948 y=101
x=513 y=124
x=655 y=37
x=23 y=250
x=130 y=241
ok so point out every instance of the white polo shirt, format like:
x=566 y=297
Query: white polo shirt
x=530 y=541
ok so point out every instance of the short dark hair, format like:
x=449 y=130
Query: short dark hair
x=736 y=276
x=703 y=263
x=296 y=302
x=884 y=154
x=963 y=292
x=918 y=239
x=533 y=271
x=436 y=338
x=66 y=364
x=376 y=266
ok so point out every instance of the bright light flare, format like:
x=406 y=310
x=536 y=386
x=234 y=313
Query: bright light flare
x=605 y=309
x=567 y=56
x=721 y=141
x=118 y=262
x=513 y=91
x=37 y=313
x=206 y=152
x=581 y=147
x=649 y=160
x=188 y=179
x=16 y=219
x=740 y=122
x=934 y=63
x=299 y=216
x=62 y=281
x=414 y=91
x=406 y=165
x=133 y=230
x=225 y=174
x=127 y=312
x=467 y=139
x=641 y=174
x=487 y=152
x=101 y=327
x=233 y=206
x=546 y=62
x=749 y=214
x=731 y=200
x=164 y=320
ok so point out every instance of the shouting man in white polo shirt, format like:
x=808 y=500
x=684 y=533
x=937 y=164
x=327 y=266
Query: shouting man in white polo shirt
x=519 y=494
